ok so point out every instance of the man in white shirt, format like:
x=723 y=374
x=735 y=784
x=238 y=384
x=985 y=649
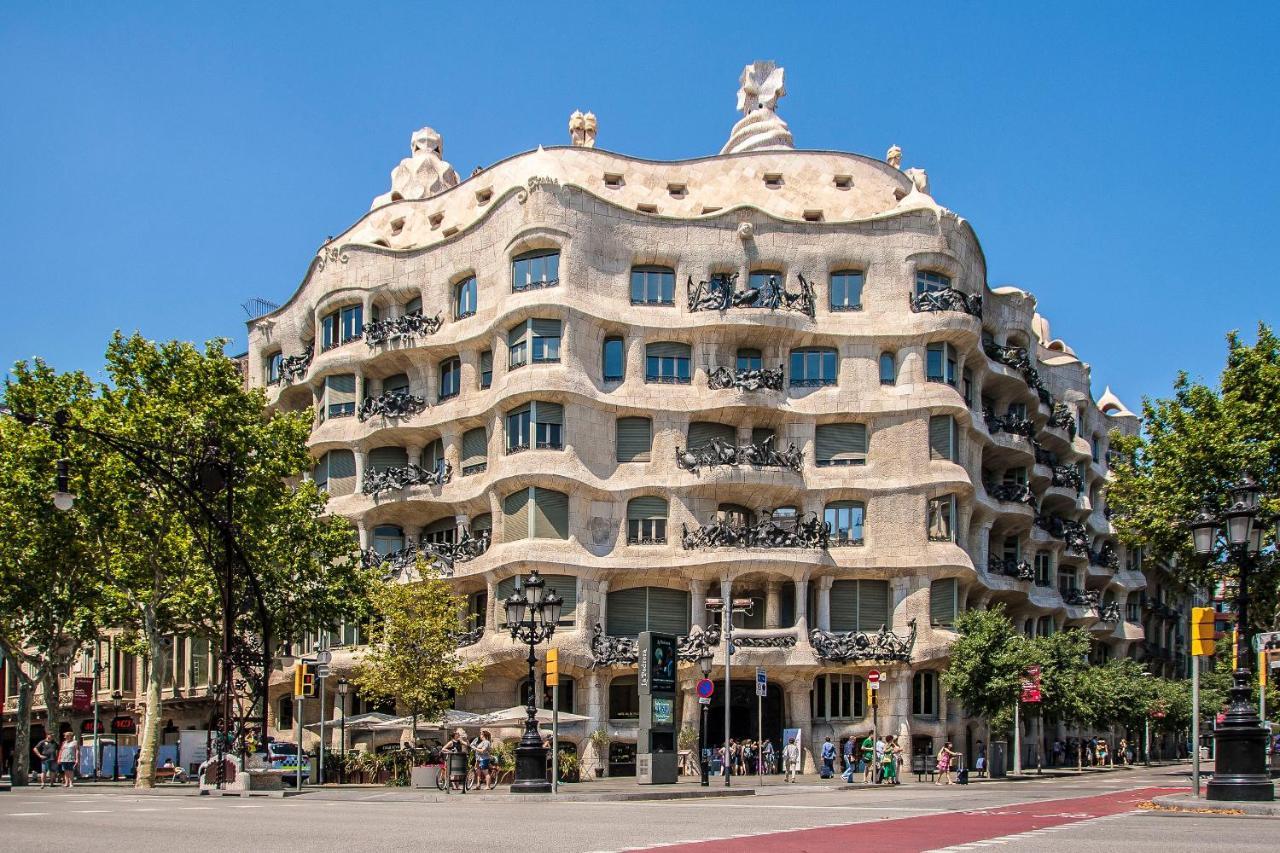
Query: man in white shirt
x=791 y=759
x=880 y=747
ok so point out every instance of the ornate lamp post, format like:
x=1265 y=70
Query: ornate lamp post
x=1240 y=771
x=344 y=687
x=532 y=614
x=705 y=660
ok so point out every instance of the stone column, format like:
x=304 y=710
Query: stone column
x=603 y=587
x=698 y=603
x=363 y=530
x=635 y=366
x=802 y=604
x=824 y=602
x=414 y=453
x=491 y=606
x=899 y=590
x=360 y=464
x=798 y=716
x=598 y=711
x=895 y=709
x=772 y=604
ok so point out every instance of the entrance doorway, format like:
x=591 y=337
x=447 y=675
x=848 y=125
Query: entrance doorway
x=742 y=723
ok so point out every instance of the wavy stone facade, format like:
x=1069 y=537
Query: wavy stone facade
x=955 y=448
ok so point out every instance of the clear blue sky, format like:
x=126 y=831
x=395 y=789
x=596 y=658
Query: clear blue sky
x=160 y=164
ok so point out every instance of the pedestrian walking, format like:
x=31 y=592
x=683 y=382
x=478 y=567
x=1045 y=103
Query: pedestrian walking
x=847 y=752
x=790 y=759
x=46 y=755
x=1123 y=752
x=889 y=763
x=946 y=758
x=68 y=758
x=770 y=760
x=1103 y=753
x=868 y=759
x=879 y=759
x=828 y=759
x=1058 y=750
x=980 y=764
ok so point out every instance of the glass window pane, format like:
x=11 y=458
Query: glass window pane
x=613 y=358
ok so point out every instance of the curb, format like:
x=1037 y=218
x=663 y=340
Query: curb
x=1186 y=801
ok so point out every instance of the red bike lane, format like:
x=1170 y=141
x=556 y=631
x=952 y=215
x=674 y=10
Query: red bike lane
x=913 y=834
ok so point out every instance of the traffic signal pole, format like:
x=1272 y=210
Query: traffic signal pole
x=1195 y=727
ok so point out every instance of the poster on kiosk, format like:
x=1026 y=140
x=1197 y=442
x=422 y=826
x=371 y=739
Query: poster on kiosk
x=656 y=753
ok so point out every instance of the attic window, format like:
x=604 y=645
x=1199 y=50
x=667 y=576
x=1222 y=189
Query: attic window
x=843 y=182
x=435 y=219
x=677 y=190
x=397 y=225
x=813 y=216
x=450 y=231
x=612 y=181
x=647 y=208
x=483 y=196
x=706 y=210
x=773 y=180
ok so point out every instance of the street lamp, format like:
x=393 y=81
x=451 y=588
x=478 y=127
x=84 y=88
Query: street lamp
x=1240 y=741
x=116 y=697
x=343 y=687
x=63 y=498
x=532 y=615
x=705 y=660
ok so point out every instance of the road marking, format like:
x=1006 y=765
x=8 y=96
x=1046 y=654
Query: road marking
x=27 y=814
x=145 y=810
x=91 y=811
x=195 y=808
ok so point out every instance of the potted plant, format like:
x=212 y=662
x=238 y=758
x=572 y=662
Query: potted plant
x=569 y=765
x=600 y=741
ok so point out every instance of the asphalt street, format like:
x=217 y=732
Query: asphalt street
x=1076 y=814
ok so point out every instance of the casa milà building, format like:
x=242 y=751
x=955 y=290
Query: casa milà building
x=770 y=373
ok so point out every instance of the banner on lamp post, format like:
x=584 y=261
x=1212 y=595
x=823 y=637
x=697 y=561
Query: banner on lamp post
x=82 y=695
x=1031 y=685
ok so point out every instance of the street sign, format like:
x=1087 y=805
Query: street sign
x=873 y=679
x=706 y=688
x=324 y=656
x=762 y=682
x=1266 y=641
x=704 y=700
x=322 y=670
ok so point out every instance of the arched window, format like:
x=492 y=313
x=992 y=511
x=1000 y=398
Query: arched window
x=735 y=515
x=845 y=519
x=924 y=694
x=647 y=520
x=465 y=295
x=387 y=539
x=341 y=326
x=275 y=362
x=335 y=472
x=667 y=362
x=413 y=306
x=813 y=367
x=749 y=358
x=613 y=360
x=845 y=290
x=540 y=268
x=931 y=282
x=653 y=285
x=888 y=368
x=450 y=378
x=647 y=608
x=535 y=513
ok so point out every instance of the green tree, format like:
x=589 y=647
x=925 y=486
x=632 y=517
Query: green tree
x=51 y=580
x=174 y=402
x=412 y=655
x=987 y=667
x=1063 y=661
x=1195 y=444
x=1118 y=694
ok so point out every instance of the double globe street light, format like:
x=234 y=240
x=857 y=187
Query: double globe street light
x=532 y=615
x=1240 y=741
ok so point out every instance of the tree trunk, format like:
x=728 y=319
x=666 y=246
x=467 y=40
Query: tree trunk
x=52 y=701
x=20 y=768
x=150 y=735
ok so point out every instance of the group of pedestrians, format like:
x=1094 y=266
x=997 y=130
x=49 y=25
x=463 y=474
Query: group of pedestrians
x=480 y=748
x=748 y=757
x=57 y=759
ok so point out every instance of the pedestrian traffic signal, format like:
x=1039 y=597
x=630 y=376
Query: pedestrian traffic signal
x=1202 y=633
x=308 y=680
x=553 y=667
x=297 y=679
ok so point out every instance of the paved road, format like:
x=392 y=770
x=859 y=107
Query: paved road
x=1075 y=814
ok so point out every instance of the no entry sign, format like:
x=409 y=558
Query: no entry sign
x=873 y=678
x=706 y=687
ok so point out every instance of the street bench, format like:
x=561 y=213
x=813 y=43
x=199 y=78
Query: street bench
x=924 y=765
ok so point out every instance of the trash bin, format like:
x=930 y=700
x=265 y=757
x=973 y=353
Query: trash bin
x=997 y=759
x=458 y=770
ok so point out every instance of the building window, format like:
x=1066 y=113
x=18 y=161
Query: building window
x=539 y=337
x=840 y=444
x=838 y=697
x=940 y=363
x=537 y=424
x=342 y=326
x=931 y=282
x=388 y=539
x=340 y=395
x=465 y=294
x=967 y=387
x=565 y=586
x=1066 y=579
x=284 y=713
x=335 y=473
x=535 y=513
x=942 y=519
x=475 y=451
x=943 y=439
x=275 y=362
x=613 y=360
x=450 y=378
x=653 y=286
x=647 y=521
x=667 y=362
x=813 y=367
x=486 y=368
x=942 y=602
x=544 y=702
x=634 y=439
x=624 y=698
x=1042 y=569
x=924 y=694
x=858 y=605
x=413 y=307
x=749 y=358
x=642 y=608
x=535 y=269
x=844 y=520
x=888 y=368
x=845 y=291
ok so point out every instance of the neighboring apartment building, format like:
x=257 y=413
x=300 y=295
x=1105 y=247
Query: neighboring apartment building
x=655 y=382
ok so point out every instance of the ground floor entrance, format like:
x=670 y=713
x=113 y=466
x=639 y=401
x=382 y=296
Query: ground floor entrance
x=742 y=720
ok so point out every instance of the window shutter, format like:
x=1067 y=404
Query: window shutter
x=701 y=433
x=399 y=382
x=667 y=349
x=841 y=443
x=320 y=473
x=566 y=586
x=648 y=506
x=433 y=454
x=550 y=514
x=342 y=472
x=475 y=447
x=486 y=361
x=546 y=328
x=517 y=334
x=341 y=389
x=942 y=601
x=635 y=439
x=382 y=458
x=505 y=587
x=548 y=413
x=515 y=516
x=940 y=434
x=873 y=605
x=481 y=523
x=413 y=306
x=448 y=524
x=760 y=434
x=626 y=611
x=668 y=610
x=844 y=606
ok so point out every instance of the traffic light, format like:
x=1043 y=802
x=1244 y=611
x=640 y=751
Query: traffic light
x=553 y=667
x=304 y=680
x=1202 y=633
x=297 y=679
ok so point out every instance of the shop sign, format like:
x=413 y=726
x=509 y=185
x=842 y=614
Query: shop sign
x=124 y=726
x=86 y=727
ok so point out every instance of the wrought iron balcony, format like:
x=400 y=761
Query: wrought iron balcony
x=521 y=287
x=1081 y=598
x=1071 y=532
x=761 y=454
x=807 y=531
x=470 y=638
x=861 y=646
x=1068 y=477
x=1062 y=419
x=403 y=476
x=947 y=299
x=1010 y=423
x=1017 y=359
x=1109 y=612
x=294 y=367
x=754 y=379
x=721 y=293
x=478 y=468
x=392 y=404
x=413 y=325
x=1009 y=567
x=1044 y=457
x=623 y=651
x=1105 y=557
x=1019 y=493
x=445 y=555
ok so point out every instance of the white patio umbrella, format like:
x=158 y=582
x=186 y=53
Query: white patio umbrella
x=357 y=722
x=516 y=715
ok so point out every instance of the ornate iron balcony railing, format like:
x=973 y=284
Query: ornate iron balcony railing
x=807 y=531
x=720 y=293
x=470 y=638
x=443 y=554
x=755 y=379
x=860 y=646
x=403 y=476
x=1044 y=457
x=623 y=651
x=760 y=454
x=294 y=367
x=392 y=404
x=1105 y=556
x=1062 y=419
x=1081 y=597
x=535 y=285
x=1009 y=423
x=947 y=299
x=1067 y=477
x=1019 y=493
x=399 y=328
x=1009 y=567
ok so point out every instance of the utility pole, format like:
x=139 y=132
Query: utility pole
x=727 y=607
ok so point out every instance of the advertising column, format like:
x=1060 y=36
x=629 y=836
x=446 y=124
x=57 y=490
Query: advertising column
x=656 y=754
